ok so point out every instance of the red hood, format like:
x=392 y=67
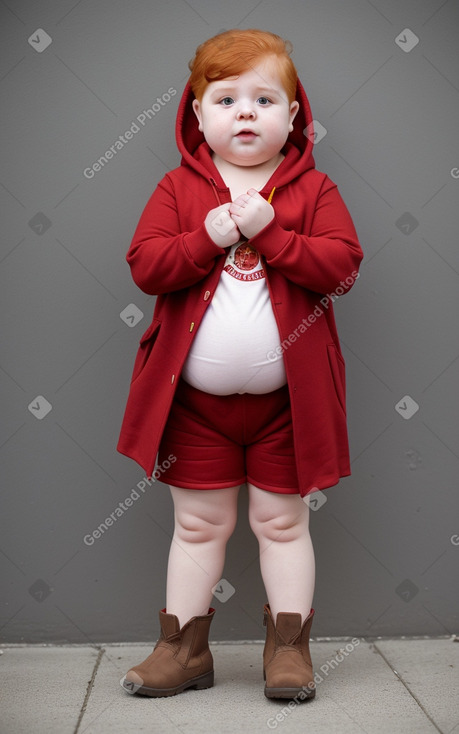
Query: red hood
x=197 y=154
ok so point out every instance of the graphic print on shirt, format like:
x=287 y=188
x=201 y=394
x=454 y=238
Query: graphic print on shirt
x=244 y=263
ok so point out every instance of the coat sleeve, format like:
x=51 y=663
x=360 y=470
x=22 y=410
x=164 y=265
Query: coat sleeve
x=324 y=257
x=163 y=258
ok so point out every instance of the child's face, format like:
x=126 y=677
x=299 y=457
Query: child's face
x=246 y=119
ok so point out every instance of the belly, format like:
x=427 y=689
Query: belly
x=234 y=350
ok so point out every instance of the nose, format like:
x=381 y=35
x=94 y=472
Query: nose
x=245 y=111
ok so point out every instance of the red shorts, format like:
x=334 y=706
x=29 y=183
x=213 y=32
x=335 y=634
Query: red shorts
x=226 y=440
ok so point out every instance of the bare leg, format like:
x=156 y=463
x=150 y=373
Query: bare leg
x=204 y=521
x=281 y=524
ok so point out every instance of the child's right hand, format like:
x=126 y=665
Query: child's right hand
x=220 y=226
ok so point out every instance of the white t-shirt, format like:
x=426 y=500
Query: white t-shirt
x=229 y=353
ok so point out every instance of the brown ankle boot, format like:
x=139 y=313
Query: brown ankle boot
x=287 y=666
x=181 y=659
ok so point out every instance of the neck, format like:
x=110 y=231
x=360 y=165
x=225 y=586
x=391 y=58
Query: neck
x=266 y=168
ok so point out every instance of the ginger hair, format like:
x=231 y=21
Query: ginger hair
x=234 y=52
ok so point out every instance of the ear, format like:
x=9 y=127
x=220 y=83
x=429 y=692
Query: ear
x=197 y=111
x=294 y=107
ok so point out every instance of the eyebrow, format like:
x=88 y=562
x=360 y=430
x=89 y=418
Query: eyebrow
x=228 y=87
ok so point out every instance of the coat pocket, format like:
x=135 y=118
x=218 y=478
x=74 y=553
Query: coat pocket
x=146 y=345
x=338 y=372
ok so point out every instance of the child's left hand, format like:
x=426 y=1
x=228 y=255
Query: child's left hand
x=251 y=212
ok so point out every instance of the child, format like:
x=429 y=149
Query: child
x=240 y=378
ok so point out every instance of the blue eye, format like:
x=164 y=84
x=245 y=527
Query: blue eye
x=226 y=101
x=264 y=101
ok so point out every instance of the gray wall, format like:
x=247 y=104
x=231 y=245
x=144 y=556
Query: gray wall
x=386 y=539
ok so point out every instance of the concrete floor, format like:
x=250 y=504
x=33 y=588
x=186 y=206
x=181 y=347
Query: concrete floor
x=397 y=686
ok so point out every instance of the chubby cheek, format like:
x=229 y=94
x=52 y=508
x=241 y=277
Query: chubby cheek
x=278 y=130
x=215 y=129
x=220 y=124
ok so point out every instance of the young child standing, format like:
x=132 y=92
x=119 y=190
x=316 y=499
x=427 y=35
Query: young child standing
x=240 y=378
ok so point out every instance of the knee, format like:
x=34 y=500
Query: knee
x=281 y=528
x=196 y=529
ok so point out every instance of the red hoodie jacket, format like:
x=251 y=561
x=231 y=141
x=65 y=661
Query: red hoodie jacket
x=311 y=255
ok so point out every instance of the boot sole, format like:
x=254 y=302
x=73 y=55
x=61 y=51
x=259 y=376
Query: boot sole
x=288 y=692
x=307 y=693
x=200 y=682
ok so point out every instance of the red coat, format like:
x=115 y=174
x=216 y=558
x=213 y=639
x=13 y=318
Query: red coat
x=311 y=255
